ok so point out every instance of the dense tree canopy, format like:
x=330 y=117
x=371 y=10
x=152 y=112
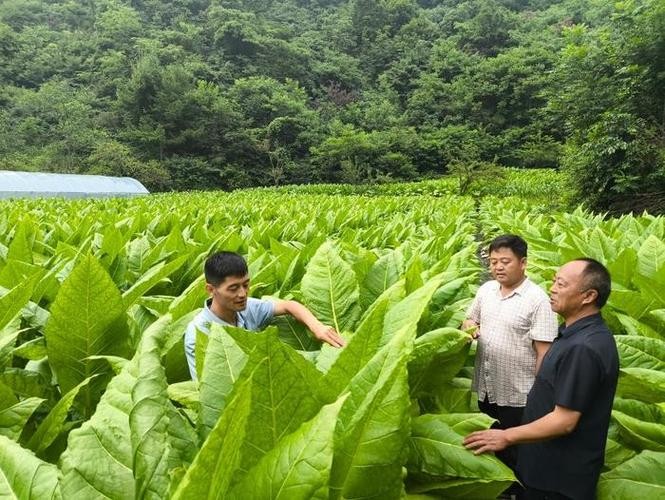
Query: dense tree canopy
x=226 y=93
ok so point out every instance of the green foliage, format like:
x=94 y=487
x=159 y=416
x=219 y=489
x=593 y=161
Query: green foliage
x=86 y=320
x=636 y=477
x=22 y=475
x=442 y=466
x=472 y=171
x=95 y=296
x=611 y=79
x=209 y=95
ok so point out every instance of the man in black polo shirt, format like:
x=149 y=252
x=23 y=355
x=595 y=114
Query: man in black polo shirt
x=562 y=438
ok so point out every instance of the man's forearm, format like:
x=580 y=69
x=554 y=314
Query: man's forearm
x=559 y=422
x=303 y=315
x=541 y=349
x=539 y=361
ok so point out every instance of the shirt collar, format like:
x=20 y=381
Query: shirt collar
x=580 y=324
x=518 y=291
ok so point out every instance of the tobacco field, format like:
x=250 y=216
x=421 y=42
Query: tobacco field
x=95 y=400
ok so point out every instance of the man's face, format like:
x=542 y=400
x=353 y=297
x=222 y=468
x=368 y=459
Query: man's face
x=231 y=294
x=568 y=293
x=506 y=267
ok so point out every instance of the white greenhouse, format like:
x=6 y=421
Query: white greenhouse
x=38 y=185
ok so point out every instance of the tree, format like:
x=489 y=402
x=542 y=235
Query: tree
x=115 y=159
x=610 y=83
x=56 y=125
x=489 y=30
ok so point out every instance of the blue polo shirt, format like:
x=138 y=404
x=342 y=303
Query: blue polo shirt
x=254 y=317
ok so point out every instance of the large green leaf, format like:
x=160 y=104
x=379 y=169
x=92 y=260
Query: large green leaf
x=437 y=456
x=413 y=277
x=384 y=273
x=286 y=391
x=16 y=271
x=51 y=427
x=452 y=397
x=33 y=350
x=26 y=383
x=631 y=302
x=22 y=475
x=622 y=268
x=652 y=287
x=185 y=393
x=364 y=344
x=465 y=423
x=651 y=257
x=112 y=243
x=616 y=453
x=24 y=237
x=14 y=300
x=299 y=465
x=635 y=327
x=295 y=334
x=161 y=439
x=224 y=360
x=330 y=289
x=408 y=311
x=641 y=425
x=641 y=352
x=215 y=465
x=642 y=384
x=640 y=477
x=437 y=357
x=99 y=458
x=373 y=426
x=150 y=279
x=86 y=320
x=190 y=299
x=13 y=419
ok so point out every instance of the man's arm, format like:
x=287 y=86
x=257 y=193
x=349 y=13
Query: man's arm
x=559 y=422
x=544 y=329
x=303 y=315
x=541 y=349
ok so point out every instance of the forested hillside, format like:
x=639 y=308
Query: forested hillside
x=204 y=94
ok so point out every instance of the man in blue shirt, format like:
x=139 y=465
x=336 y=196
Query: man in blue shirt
x=227 y=282
x=566 y=420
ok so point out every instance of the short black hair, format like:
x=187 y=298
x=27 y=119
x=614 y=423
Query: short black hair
x=221 y=265
x=512 y=241
x=596 y=277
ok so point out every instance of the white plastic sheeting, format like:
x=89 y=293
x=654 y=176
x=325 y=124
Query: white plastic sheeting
x=38 y=184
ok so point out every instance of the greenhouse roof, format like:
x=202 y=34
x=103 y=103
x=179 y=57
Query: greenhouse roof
x=38 y=184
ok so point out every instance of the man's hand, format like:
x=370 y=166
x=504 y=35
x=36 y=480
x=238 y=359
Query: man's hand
x=328 y=335
x=558 y=422
x=471 y=325
x=488 y=440
x=322 y=332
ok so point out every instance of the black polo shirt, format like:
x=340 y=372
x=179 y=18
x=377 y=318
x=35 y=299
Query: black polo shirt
x=578 y=372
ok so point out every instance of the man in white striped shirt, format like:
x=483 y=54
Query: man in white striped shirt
x=514 y=323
